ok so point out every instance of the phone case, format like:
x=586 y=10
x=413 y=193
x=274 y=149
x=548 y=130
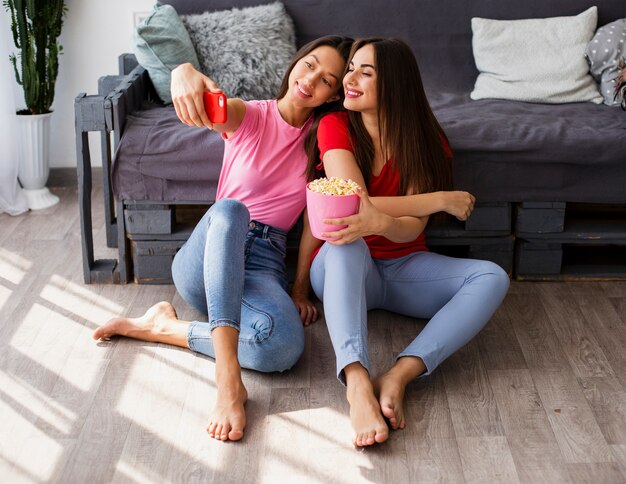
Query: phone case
x=216 y=107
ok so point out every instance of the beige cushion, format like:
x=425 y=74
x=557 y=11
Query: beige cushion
x=535 y=60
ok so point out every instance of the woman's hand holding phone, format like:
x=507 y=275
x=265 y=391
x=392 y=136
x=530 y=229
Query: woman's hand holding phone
x=216 y=107
x=188 y=87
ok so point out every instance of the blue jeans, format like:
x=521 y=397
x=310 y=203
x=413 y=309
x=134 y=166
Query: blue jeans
x=233 y=269
x=457 y=295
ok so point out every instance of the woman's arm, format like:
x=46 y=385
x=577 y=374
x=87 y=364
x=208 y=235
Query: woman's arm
x=457 y=203
x=371 y=221
x=302 y=283
x=187 y=87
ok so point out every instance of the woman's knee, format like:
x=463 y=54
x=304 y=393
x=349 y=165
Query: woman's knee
x=229 y=210
x=346 y=254
x=280 y=350
x=494 y=277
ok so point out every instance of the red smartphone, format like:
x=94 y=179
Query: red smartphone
x=216 y=107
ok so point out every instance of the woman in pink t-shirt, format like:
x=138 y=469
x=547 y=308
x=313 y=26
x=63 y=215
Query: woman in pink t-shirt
x=391 y=144
x=232 y=267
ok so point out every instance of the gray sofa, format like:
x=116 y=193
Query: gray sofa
x=534 y=168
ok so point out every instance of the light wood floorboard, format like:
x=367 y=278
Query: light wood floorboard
x=538 y=396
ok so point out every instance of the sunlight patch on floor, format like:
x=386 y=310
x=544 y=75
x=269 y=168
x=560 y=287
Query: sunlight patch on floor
x=159 y=392
x=42 y=455
x=328 y=428
x=37 y=403
x=13 y=267
x=145 y=395
x=27 y=329
x=129 y=473
x=168 y=357
x=5 y=294
x=286 y=460
x=23 y=430
x=36 y=339
x=80 y=300
x=18 y=474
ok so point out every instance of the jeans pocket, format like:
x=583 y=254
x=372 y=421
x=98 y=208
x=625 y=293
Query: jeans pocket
x=278 y=246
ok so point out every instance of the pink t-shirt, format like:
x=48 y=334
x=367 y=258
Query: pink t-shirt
x=264 y=166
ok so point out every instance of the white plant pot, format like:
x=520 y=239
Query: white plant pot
x=33 y=170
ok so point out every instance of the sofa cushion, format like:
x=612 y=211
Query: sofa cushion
x=161 y=43
x=245 y=51
x=161 y=159
x=515 y=151
x=604 y=52
x=536 y=60
x=503 y=151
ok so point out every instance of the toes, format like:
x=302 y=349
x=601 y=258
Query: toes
x=358 y=440
x=367 y=438
x=211 y=428
x=388 y=410
x=381 y=435
x=218 y=431
x=235 y=434
x=224 y=430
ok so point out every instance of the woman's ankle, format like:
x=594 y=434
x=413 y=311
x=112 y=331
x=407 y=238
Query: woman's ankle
x=356 y=374
x=406 y=369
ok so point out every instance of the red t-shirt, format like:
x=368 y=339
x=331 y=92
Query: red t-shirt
x=334 y=133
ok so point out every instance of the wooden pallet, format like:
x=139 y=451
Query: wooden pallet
x=157 y=231
x=570 y=242
x=495 y=249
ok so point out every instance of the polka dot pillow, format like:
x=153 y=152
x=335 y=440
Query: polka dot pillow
x=604 y=52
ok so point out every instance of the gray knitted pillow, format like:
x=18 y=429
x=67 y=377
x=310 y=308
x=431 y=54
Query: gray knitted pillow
x=603 y=53
x=245 y=51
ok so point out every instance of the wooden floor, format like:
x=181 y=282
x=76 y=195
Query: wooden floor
x=538 y=397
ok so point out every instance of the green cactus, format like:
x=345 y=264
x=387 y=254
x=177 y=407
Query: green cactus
x=36 y=25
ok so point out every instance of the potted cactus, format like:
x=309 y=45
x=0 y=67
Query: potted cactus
x=36 y=26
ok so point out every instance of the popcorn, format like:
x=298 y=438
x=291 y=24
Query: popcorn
x=333 y=186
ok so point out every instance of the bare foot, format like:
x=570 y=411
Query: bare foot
x=367 y=420
x=149 y=327
x=229 y=416
x=390 y=391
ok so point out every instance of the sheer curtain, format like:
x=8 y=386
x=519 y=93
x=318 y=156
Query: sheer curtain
x=12 y=200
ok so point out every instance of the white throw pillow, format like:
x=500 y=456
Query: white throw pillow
x=535 y=60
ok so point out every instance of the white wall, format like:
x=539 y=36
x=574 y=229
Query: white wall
x=94 y=33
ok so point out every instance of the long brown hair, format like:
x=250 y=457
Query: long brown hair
x=409 y=132
x=341 y=45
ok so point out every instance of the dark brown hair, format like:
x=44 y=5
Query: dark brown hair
x=341 y=45
x=409 y=132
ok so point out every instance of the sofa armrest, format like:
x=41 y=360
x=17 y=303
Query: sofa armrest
x=127 y=62
x=118 y=97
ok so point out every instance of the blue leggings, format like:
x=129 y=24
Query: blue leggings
x=457 y=295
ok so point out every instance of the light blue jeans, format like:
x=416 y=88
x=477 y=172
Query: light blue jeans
x=457 y=295
x=233 y=269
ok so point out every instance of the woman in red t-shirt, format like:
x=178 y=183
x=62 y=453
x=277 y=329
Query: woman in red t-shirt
x=391 y=143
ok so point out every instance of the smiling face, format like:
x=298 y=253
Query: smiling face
x=360 y=83
x=316 y=78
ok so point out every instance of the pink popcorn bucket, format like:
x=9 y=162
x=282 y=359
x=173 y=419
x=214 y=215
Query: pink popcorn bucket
x=321 y=207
